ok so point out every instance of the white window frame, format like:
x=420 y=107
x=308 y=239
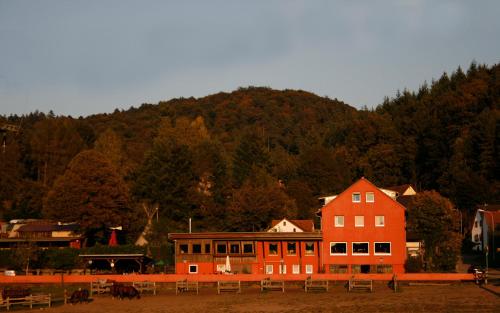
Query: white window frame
x=282 y=269
x=335 y=242
x=357 y=253
x=189 y=268
x=296 y=269
x=356 y=224
x=383 y=220
x=381 y=253
x=309 y=268
x=336 y=221
x=372 y=198
x=356 y=193
x=269 y=269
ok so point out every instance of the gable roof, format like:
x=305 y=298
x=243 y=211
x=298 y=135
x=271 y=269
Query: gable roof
x=304 y=225
x=362 y=179
x=401 y=189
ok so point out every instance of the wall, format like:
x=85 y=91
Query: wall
x=393 y=231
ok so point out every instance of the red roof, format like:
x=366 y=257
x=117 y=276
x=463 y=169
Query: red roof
x=305 y=225
x=490 y=216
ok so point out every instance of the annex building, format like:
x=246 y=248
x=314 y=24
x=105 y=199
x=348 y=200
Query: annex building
x=362 y=231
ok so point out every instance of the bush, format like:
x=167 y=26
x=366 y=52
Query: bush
x=413 y=265
x=61 y=259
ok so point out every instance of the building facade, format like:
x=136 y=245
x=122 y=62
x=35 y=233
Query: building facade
x=362 y=231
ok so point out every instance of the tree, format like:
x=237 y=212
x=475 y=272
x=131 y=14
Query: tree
x=249 y=153
x=433 y=218
x=260 y=200
x=166 y=177
x=54 y=142
x=111 y=145
x=91 y=193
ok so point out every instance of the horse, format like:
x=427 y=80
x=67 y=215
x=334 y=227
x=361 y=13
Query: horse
x=128 y=292
x=79 y=296
x=114 y=289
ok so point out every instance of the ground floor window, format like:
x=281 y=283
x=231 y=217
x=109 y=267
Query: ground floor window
x=360 y=248
x=363 y=268
x=382 y=248
x=309 y=269
x=193 y=268
x=338 y=268
x=283 y=269
x=384 y=268
x=296 y=269
x=269 y=269
x=338 y=248
x=221 y=267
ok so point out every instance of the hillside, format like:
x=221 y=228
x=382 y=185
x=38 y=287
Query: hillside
x=236 y=160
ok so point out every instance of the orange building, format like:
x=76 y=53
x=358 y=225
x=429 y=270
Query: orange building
x=362 y=231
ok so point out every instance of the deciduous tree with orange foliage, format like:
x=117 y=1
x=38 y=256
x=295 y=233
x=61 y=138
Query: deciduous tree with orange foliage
x=90 y=192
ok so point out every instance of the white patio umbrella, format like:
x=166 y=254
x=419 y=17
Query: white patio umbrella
x=228 y=265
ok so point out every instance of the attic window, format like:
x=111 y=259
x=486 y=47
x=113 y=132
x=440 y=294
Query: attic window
x=370 y=197
x=284 y=223
x=356 y=197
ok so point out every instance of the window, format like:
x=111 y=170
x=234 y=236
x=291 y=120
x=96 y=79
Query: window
x=309 y=269
x=221 y=268
x=234 y=248
x=291 y=248
x=382 y=248
x=296 y=269
x=193 y=268
x=338 y=268
x=476 y=237
x=309 y=248
x=282 y=268
x=370 y=197
x=339 y=221
x=379 y=221
x=183 y=248
x=384 y=268
x=273 y=249
x=248 y=248
x=269 y=269
x=338 y=248
x=475 y=224
x=196 y=248
x=207 y=248
x=360 y=248
x=221 y=247
x=284 y=223
x=359 y=221
x=356 y=197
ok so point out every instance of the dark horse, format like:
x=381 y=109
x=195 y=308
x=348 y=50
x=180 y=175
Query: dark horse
x=122 y=291
x=79 y=296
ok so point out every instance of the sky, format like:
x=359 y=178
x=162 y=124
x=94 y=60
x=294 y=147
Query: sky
x=94 y=56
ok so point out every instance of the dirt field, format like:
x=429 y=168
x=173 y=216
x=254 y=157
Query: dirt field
x=464 y=297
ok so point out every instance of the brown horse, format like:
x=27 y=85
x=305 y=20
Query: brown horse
x=79 y=296
x=121 y=291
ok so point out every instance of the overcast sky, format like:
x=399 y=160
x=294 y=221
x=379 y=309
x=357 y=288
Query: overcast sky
x=86 y=57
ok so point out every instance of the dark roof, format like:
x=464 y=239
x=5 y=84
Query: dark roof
x=48 y=239
x=66 y=227
x=405 y=201
x=36 y=228
x=248 y=236
x=305 y=225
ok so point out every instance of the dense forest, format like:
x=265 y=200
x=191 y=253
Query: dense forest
x=234 y=161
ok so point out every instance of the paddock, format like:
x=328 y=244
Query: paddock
x=454 y=297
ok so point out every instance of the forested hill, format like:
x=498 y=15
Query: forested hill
x=234 y=161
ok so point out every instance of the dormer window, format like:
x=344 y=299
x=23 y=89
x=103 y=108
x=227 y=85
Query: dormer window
x=356 y=197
